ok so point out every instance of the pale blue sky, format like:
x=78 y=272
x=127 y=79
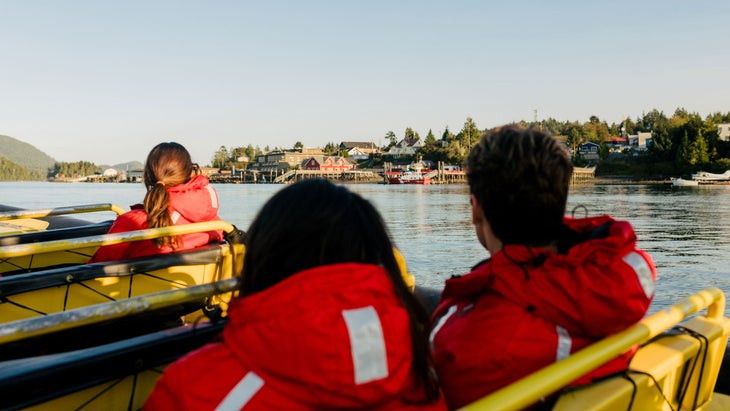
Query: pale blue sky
x=105 y=81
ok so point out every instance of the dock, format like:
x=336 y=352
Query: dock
x=583 y=175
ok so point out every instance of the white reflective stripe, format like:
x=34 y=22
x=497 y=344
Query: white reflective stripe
x=440 y=324
x=242 y=393
x=642 y=270
x=213 y=197
x=367 y=344
x=564 y=343
x=175 y=216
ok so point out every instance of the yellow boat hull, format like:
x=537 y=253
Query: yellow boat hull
x=45 y=292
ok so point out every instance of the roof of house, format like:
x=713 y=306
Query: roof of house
x=358 y=144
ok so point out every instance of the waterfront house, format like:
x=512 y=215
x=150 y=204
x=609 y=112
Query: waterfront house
x=135 y=176
x=279 y=160
x=406 y=147
x=328 y=163
x=640 y=140
x=208 y=171
x=359 y=147
x=357 y=154
x=589 y=150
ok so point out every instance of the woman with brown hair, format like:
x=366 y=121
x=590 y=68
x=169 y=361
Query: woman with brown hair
x=176 y=194
x=324 y=319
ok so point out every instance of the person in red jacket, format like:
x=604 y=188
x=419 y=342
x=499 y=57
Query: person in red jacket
x=324 y=319
x=552 y=284
x=176 y=194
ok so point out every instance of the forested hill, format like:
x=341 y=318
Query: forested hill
x=26 y=155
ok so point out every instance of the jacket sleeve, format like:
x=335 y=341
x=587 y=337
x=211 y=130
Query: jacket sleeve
x=601 y=291
x=130 y=221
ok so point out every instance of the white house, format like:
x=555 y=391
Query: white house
x=640 y=140
x=110 y=172
x=723 y=132
x=406 y=147
x=356 y=153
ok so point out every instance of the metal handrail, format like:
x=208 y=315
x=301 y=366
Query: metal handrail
x=93 y=314
x=47 y=212
x=18 y=250
x=554 y=377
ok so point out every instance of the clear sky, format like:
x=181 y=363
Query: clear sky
x=105 y=81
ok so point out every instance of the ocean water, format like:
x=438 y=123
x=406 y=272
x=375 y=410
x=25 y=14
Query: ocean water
x=685 y=229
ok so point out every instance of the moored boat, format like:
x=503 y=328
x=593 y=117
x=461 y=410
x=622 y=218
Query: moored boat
x=680 y=182
x=410 y=177
x=704 y=176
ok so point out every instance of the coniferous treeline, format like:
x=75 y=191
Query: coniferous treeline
x=73 y=170
x=683 y=140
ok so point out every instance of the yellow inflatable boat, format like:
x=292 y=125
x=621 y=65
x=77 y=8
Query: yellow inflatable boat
x=675 y=368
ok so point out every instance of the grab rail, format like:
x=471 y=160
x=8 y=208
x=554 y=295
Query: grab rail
x=554 y=377
x=22 y=329
x=18 y=250
x=47 y=212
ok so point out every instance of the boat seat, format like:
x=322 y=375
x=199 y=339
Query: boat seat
x=30 y=295
x=680 y=365
x=30 y=263
x=114 y=376
x=57 y=234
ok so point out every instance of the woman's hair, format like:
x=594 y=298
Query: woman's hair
x=314 y=223
x=521 y=179
x=168 y=164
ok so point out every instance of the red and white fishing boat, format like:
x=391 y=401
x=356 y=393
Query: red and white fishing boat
x=410 y=177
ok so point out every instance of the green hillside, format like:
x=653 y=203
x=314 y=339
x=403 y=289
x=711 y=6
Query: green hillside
x=10 y=171
x=25 y=155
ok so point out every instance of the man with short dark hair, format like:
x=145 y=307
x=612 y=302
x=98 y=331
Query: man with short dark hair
x=552 y=285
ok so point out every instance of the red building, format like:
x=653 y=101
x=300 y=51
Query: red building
x=329 y=163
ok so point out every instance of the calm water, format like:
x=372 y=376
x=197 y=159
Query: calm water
x=686 y=230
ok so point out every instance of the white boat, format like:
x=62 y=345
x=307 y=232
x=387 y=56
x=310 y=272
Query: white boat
x=680 y=182
x=705 y=176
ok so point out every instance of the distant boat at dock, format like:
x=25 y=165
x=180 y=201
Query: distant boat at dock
x=411 y=177
x=680 y=182
x=704 y=176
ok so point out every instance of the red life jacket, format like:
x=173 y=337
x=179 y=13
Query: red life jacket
x=526 y=308
x=192 y=202
x=332 y=337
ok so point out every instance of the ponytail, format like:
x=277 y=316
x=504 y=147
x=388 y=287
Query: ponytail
x=156 y=205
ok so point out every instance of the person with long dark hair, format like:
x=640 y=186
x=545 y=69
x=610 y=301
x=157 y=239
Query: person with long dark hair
x=176 y=194
x=323 y=320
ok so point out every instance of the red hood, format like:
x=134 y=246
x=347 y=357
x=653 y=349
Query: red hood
x=571 y=287
x=195 y=200
x=295 y=336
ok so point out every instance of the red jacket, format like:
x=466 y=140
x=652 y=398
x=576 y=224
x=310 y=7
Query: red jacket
x=526 y=308
x=332 y=337
x=192 y=202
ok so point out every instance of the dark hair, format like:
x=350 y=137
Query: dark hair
x=521 y=179
x=314 y=223
x=168 y=164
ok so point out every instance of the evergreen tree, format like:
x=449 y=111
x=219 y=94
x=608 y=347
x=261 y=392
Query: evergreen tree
x=430 y=139
x=221 y=157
